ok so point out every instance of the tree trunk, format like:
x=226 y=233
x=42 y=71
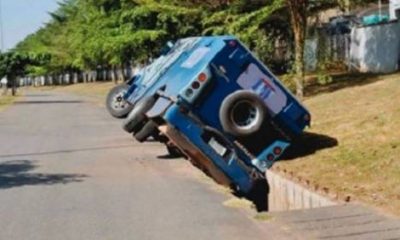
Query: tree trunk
x=13 y=85
x=75 y=77
x=298 y=16
x=85 y=77
x=121 y=71
x=104 y=71
x=114 y=74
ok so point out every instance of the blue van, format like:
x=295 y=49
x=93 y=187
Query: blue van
x=141 y=93
x=223 y=109
x=220 y=106
x=122 y=98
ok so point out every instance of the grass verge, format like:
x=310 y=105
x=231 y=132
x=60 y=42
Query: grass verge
x=97 y=91
x=355 y=146
x=6 y=101
x=263 y=216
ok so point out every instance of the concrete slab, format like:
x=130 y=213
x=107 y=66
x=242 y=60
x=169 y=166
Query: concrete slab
x=348 y=221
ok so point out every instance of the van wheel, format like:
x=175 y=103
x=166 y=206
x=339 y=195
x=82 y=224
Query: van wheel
x=149 y=129
x=259 y=195
x=115 y=103
x=137 y=116
x=242 y=113
x=174 y=152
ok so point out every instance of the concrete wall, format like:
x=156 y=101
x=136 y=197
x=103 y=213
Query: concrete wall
x=287 y=195
x=376 y=48
x=394 y=8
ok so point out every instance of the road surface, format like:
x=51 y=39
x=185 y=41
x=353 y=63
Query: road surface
x=68 y=171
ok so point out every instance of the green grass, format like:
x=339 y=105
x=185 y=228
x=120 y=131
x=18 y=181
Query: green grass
x=238 y=203
x=97 y=90
x=263 y=216
x=355 y=146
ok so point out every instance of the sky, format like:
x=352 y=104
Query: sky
x=23 y=17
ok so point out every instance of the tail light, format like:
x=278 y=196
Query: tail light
x=232 y=43
x=189 y=93
x=194 y=88
x=195 y=85
x=202 y=77
x=277 y=151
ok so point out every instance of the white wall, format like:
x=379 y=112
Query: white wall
x=376 y=48
x=394 y=5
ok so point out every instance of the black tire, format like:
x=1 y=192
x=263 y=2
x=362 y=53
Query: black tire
x=242 y=113
x=259 y=195
x=135 y=120
x=174 y=152
x=149 y=129
x=115 y=103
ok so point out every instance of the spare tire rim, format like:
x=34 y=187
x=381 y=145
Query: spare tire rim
x=118 y=101
x=244 y=114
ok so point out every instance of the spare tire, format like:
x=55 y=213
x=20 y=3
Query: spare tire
x=242 y=113
x=115 y=103
x=136 y=117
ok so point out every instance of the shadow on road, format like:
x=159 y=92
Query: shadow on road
x=48 y=102
x=16 y=174
x=168 y=156
x=37 y=95
x=62 y=151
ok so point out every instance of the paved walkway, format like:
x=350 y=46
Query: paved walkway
x=68 y=171
x=344 y=222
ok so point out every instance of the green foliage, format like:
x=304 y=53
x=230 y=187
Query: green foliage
x=86 y=34
x=14 y=64
x=324 y=78
x=251 y=23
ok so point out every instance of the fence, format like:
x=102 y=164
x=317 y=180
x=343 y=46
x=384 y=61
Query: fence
x=324 y=48
x=116 y=74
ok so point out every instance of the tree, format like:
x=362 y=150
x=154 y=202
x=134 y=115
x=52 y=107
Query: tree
x=89 y=34
x=13 y=64
x=298 y=10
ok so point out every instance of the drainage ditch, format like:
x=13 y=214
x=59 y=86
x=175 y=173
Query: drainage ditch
x=285 y=195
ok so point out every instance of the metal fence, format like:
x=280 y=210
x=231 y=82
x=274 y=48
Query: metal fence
x=324 y=48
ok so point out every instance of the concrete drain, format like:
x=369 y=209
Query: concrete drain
x=285 y=195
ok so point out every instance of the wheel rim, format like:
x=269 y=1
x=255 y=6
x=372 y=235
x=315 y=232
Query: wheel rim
x=244 y=115
x=118 y=102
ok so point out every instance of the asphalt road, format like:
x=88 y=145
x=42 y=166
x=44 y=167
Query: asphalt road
x=68 y=171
